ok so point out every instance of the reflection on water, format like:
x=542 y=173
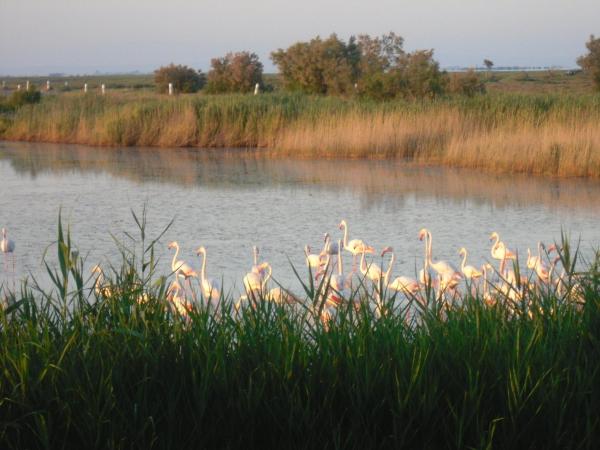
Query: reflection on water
x=230 y=199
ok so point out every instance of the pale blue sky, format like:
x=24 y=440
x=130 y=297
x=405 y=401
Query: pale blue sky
x=81 y=36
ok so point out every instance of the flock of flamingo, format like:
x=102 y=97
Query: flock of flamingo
x=335 y=286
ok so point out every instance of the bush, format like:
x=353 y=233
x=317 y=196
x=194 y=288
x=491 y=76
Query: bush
x=467 y=83
x=327 y=66
x=377 y=68
x=185 y=79
x=20 y=98
x=591 y=62
x=235 y=72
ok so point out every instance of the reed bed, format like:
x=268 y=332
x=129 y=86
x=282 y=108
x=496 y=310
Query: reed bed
x=83 y=369
x=539 y=134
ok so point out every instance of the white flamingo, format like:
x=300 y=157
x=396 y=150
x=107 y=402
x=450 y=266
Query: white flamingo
x=355 y=246
x=255 y=283
x=402 y=284
x=449 y=275
x=180 y=267
x=468 y=271
x=537 y=264
x=211 y=289
x=500 y=252
x=314 y=260
x=7 y=247
x=372 y=271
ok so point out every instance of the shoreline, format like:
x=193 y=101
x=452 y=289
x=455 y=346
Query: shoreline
x=551 y=136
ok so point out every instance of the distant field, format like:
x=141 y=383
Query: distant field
x=539 y=82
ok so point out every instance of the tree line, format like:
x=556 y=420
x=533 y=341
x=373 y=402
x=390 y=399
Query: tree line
x=364 y=66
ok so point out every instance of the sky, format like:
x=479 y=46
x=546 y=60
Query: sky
x=38 y=37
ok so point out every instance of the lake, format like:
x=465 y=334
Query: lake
x=229 y=200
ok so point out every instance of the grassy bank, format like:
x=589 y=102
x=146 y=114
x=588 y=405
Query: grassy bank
x=533 y=133
x=80 y=369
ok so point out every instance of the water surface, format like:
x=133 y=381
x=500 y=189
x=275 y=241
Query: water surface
x=228 y=200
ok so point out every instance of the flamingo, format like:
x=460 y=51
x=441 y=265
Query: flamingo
x=7 y=247
x=99 y=288
x=314 y=260
x=537 y=264
x=372 y=272
x=355 y=246
x=468 y=271
x=254 y=282
x=178 y=301
x=449 y=275
x=499 y=251
x=211 y=290
x=403 y=284
x=180 y=267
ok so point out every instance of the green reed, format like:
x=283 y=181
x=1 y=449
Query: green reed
x=80 y=369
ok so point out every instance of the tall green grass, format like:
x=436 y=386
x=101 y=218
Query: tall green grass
x=86 y=370
x=544 y=134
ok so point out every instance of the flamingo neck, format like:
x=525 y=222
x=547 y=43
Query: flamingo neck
x=340 y=261
x=255 y=251
x=464 y=261
x=203 y=272
x=389 y=269
x=363 y=263
x=268 y=276
x=429 y=245
x=345 y=234
x=173 y=265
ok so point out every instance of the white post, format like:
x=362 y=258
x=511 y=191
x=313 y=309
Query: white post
x=3 y=84
x=256 y=89
x=103 y=89
x=18 y=87
x=85 y=88
x=170 y=88
x=48 y=85
x=27 y=85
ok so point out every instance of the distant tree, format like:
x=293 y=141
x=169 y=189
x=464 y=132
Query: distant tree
x=468 y=84
x=184 y=79
x=235 y=72
x=591 y=62
x=488 y=64
x=320 y=66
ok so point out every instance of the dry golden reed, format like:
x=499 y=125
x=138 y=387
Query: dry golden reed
x=540 y=134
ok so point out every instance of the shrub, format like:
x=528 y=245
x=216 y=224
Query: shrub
x=327 y=66
x=235 y=72
x=185 y=79
x=372 y=67
x=467 y=83
x=591 y=62
x=20 y=98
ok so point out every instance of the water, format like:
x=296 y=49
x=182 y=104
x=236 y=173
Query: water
x=231 y=200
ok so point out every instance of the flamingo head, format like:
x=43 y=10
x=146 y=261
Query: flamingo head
x=552 y=248
x=325 y=237
x=493 y=236
x=422 y=233
x=172 y=245
x=342 y=225
x=255 y=250
x=201 y=250
x=386 y=250
x=462 y=251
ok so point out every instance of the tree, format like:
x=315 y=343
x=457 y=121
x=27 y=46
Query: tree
x=488 y=63
x=184 y=79
x=235 y=72
x=591 y=62
x=327 y=66
x=467 y=84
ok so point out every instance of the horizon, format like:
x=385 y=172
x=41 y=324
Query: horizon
x=120 y=37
